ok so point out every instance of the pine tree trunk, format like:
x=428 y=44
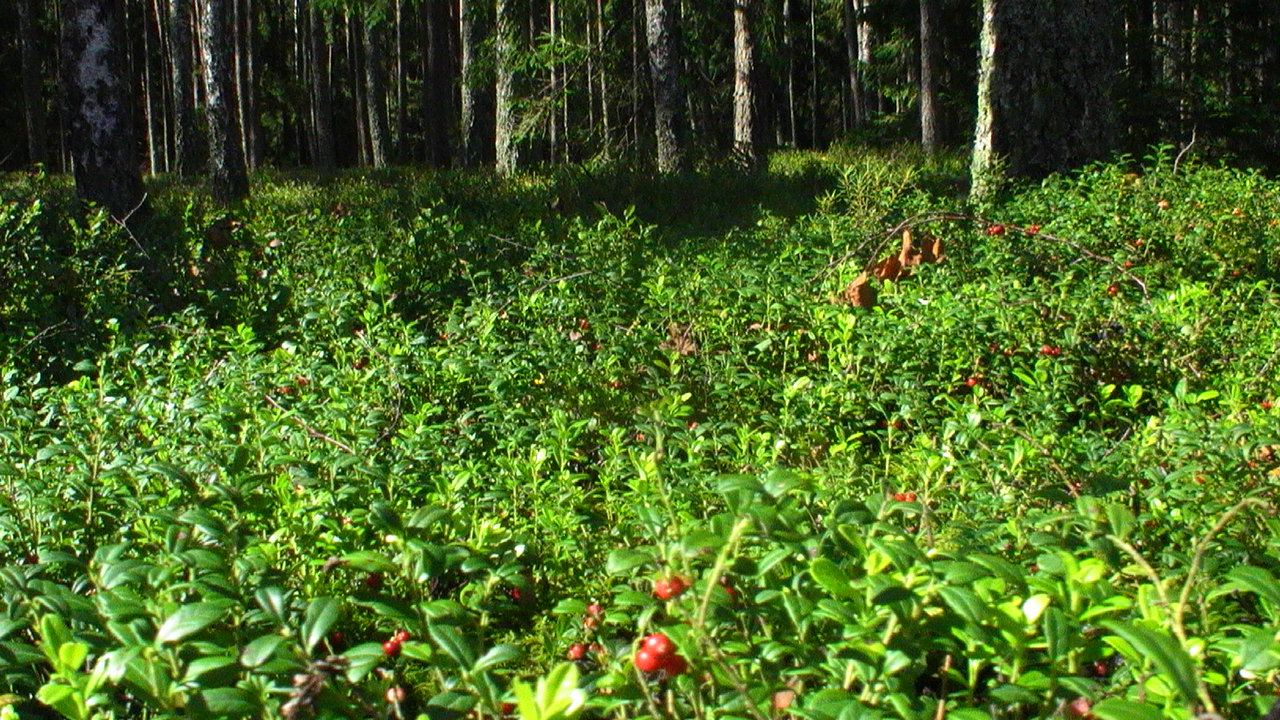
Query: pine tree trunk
x=745 y=136
x=557 y=91
x=186 y=136
x=477 y=112
x=438 y=83
x=153 y=138
x=929 y=120
x=32 y=74
x=246 y=88
x=321 y=95
x=849 y=14
x=1045 y=91
x=100 y=106
x=815 y=120
x=603 y=64
x=227 y=171
x=506 y=27
x=792 y=134
x=376 y=94
x=668 y=92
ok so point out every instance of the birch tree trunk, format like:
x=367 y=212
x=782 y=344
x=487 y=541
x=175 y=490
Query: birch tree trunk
x=227 y=171
x=100 y=106
x=376 y=93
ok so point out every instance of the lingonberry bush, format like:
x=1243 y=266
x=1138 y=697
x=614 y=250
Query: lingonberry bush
x=426 y=449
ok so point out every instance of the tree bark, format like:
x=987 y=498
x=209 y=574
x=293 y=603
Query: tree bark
x=32 y=73
x=438 y=84
x=476 y=133
x=227 y=173
x=604 y=65
x=745 y=136
x=186 y=137
x=323 y=149
x=152 y=106
x=506 y=28
x=1046 y=77
x=792 y=133
x=100 y=106
x=376 y=93
x=849 y=15
x=668 y=92
x=246 y=73
x=929 y=120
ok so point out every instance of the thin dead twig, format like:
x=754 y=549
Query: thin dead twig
x=310 y=430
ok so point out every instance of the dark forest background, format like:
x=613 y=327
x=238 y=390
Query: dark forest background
x=453 y=83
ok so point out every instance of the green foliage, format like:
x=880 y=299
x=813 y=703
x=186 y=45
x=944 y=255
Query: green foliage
x=408 y=440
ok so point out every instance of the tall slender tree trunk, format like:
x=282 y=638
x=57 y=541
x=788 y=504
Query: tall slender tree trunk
x=245 y=34
x=668 y=91
x=789 y=50
x=164 y=122
x=100 y=106
x=815 y=109
x=151 y=105
x=476 y=133
x=227 y=171
x=506 y=29
x=321 y=95
x=376 y=93
x=746 y=144
x=929 y=120
x=438 y=84
x=557 y=91
x=186 y=136
x=849 y=16
x=1045 y=85
x=1139 y=93
x=352 y=78
x=32 y=73
x=638 y=75
x=604 y=69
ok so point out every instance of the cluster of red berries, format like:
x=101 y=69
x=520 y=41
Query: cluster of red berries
x=905 y=497
x=1265 y=404
x=1050 y=350
x=1033 y=229
x=670 y=587
x=391 y=648
x=995 y=230
x=658 y=654
x=595 y=613
x=578 y=651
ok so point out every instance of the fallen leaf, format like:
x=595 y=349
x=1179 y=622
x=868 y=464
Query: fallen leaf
x=860 y=293
x=888 y=269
